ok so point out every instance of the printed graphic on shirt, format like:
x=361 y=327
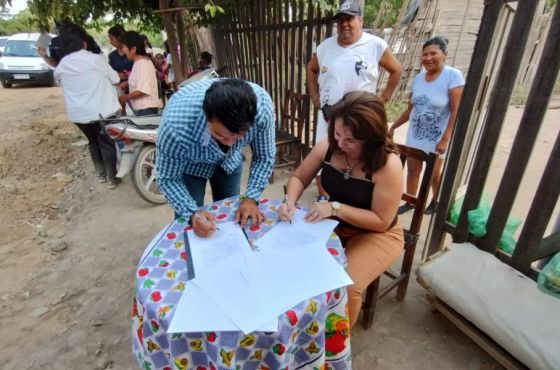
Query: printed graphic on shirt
x=361 y=66
x=425 y=124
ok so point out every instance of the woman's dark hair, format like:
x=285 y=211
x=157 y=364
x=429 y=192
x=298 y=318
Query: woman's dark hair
x=116 y=31
x=364 y=114
x=233 y=102
x=71 y=39
x=146 y=40
x=133 y=39
x=439 y=41
x=206 y=57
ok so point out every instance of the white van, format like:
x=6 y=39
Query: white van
x=21 y=64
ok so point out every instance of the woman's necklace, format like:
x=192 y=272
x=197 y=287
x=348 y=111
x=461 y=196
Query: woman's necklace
x=348 y=171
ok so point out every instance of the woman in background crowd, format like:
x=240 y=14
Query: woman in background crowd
x=117 y=58
x=432 y=110
x=161 y=70
x=142 y=81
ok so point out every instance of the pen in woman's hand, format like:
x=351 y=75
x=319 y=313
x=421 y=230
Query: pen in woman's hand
x=286 y=201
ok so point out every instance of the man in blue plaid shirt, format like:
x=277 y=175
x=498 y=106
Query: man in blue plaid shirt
x=203 y=131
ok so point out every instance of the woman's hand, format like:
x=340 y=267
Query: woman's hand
x=203 y=224
x=318 y=211
x=286 y=211
x=441 y=146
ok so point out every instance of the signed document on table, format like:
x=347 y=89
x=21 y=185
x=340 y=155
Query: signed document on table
x=297 y=234
x=249 y=290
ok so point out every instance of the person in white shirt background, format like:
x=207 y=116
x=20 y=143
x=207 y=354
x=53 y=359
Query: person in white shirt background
x=87 y=81
x=348 y=61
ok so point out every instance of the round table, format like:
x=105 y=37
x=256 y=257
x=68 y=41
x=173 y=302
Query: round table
x=312 y=335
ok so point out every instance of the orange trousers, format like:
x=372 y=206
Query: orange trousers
x=369 y=254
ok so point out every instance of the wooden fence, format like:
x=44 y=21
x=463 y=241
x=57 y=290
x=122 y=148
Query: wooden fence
x=270 y=43
x=532 y=244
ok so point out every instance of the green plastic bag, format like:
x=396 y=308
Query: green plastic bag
x=478 y=218
x=549 y=277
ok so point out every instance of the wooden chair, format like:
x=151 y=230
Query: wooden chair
x=289 y=131
x=400 y=281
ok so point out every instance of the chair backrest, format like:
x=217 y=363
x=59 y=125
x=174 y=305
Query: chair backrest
x=419 y=200
x=294 y=115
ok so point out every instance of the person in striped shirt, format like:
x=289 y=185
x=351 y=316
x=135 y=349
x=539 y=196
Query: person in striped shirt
x=203 y=131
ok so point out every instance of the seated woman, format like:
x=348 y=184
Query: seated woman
x=364 y=178
x=142 y=82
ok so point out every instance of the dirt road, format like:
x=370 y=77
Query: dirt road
x=70 y=247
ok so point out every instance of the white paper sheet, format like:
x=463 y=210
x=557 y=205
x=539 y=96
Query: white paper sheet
x=198 y=312
x=283 y=280
x=225 y=250
x=297 y=234
x=237 y=299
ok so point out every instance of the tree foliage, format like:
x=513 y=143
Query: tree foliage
x=22 y=22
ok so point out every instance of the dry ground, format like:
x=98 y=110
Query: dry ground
x=70 y=246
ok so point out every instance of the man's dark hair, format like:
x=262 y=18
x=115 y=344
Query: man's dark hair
x=116 y=31
x=206 y=58
x=133 y=39
x=233 y=102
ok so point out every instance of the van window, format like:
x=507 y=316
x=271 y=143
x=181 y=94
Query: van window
x=20 y=48
x=3 y=41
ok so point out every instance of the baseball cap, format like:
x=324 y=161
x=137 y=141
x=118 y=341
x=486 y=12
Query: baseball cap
x=349 y=7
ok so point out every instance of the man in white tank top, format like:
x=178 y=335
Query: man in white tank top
x=346 y=62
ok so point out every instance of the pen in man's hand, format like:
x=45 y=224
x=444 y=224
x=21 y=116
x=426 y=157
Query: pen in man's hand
x=286 y=200
x=207 y=220
x=246 y=237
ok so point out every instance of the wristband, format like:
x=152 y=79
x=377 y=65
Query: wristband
x=243 y=197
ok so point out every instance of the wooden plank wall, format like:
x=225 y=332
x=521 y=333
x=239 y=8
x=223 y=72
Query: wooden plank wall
x=457 y=20
x=270 y=43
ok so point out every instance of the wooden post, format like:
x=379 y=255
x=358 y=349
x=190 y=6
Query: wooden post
x=526 y=136
x=499 y=103
x=539 y=214
x=457 y=156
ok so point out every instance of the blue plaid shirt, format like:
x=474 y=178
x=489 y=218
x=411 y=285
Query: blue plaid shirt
x=185 y=146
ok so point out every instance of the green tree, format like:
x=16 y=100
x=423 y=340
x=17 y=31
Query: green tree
x=22 y=22
x=381 y=13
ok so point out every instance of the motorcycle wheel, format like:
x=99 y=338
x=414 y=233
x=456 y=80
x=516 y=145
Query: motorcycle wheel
x=144 y=176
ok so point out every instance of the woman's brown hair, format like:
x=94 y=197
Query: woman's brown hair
x=364 y=114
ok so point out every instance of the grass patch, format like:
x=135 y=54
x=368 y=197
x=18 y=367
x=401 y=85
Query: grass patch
x=394 y=109
x=519 y=96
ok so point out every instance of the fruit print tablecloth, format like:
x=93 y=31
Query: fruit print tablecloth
x=312 y=335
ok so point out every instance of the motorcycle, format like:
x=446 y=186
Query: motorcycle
x=136 y=139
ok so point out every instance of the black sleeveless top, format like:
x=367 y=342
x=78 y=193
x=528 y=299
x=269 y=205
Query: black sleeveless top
x=354 y=191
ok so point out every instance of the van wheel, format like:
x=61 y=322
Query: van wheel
x=6 y=85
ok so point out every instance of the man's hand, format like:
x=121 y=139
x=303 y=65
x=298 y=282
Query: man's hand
x=318 y=211
x=248 y=209
x=203 y=224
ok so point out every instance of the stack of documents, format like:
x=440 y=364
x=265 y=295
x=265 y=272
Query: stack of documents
x=238 y=289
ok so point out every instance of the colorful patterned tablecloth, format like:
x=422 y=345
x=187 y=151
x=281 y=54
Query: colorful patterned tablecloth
x=312 y=335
